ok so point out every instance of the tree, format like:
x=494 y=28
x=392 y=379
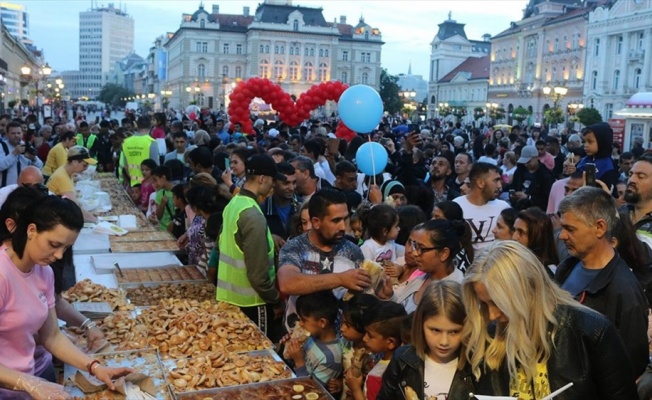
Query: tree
x=553 y=115
x=589 y=116
x=520 y=114
x=478 y=113
x=114 y=94
x=389 y=92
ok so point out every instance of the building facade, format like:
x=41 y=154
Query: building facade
x=14 y=55
x=448 y=50
x=106 y=36
x=16 y=20
x=545 y=49
x=619 y=56
x=291 y=45
x=464 y=88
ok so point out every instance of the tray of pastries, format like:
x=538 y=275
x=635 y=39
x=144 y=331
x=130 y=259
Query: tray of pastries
x=146 y=361
x=294 y=388
x=143 y=236
x=144 y=247
x=152 y=293
x=87 y=291
x=172 y=273
x=122 y=330
x=221 y=369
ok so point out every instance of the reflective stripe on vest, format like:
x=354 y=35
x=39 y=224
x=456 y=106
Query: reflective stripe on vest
x=136 y=150
x=233 y=285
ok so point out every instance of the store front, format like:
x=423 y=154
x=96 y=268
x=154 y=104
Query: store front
x=637 y=119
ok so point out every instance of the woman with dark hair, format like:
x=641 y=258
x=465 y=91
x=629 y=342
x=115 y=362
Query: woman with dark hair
x=637 y=255
x=533 y=229
x=504 y=229
x=451 y=211
x=408 y=217
x=159 y=128
x=353 y=147
x=44 y=231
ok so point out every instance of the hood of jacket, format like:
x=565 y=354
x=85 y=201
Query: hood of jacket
x=604 y=135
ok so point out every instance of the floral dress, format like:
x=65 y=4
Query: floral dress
x=195 y=246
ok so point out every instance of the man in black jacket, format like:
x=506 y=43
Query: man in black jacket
x=281 y=207
x=532 y=181
x=596 y=275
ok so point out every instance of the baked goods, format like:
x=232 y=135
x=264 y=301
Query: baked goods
x=410 y=394
x=267 y=390
x=140 y=247
x=125 y=332
x=141 y=236
x=165 y=274
x=225 y=369
x=86 y=290
x=152 y=295
x=299 y=333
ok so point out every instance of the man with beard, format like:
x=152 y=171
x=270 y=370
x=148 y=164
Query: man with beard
x=480 y=206
x=319 y=259
x=639 y=198
x=440 y=172
x=281 y=207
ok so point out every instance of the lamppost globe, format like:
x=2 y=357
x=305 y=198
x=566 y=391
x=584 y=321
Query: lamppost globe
x=547 y=90
x=46 y=70
x=58 y=81
x=25 y=70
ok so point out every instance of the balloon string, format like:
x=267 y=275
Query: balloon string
x=373 y=163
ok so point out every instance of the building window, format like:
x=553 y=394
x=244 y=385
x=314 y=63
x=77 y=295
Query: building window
x=556 y=48
x=345 y=56
x=321 y=52
x=323 y=72
x=616 y=79
x=238 y=72
x=295 y=25
x=308 y=72
x=264 y=69
x=296 y=51
x=594 y=80
x=294 y=70
x=238 y=49
x=639 y=44
x=201 y=47
x=225 y=71
x=278 y=69
x=225 y=48
x=262 y=49
x=596 y=47
x=365 y=78
x=575 y=41
x=201 y=71
x=609 y=110
x=365 y=57
x=267 y=49
x=291 y=51
x=344 y=77
x=282 y=49
x=312 y=51
x=202 y=23
x=619 y=45
x=366 y=35
x=637 y=78
x=305 y=51
x=276 y=49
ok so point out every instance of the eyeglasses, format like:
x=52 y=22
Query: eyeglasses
x=420 y=249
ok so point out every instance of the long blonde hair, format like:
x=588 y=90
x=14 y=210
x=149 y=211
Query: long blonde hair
x=519 y=286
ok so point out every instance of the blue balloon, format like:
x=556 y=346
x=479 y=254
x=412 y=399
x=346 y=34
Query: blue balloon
x=371 y=158
x=360 y=108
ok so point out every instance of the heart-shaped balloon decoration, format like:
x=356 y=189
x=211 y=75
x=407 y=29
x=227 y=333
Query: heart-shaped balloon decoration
x=289 y=112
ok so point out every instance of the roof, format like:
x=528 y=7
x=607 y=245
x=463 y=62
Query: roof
x=531 y=8
x=279 y=14
x=569 y=15
x=477 y=67
x=450 y=28
x=640 y=100
x=232 y=22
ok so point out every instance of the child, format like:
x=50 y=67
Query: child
x=598 y=139
x=355 y=354
x=147 y=185
x=163 y=185
x=178 y=225
x=383 y=336
x=321 y=355
x=381 y=224
x=430 y=367
x=355 y=226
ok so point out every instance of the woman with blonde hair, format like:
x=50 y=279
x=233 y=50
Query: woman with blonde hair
x=542 y=339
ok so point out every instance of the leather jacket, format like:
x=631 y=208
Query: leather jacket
x=407 y=369
x=587 y=351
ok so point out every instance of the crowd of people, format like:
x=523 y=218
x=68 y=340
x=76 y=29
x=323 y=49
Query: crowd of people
x=506 y=262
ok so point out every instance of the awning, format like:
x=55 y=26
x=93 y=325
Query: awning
x=645 y=113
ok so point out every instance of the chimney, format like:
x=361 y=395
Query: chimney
x=216 y=8
x=343 y=19
x=245 y=11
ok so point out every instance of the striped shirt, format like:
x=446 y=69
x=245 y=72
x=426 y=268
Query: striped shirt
x=323 y=360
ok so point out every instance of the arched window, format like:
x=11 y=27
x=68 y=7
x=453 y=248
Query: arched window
x=225 y=71
x=267 y=49
x=294 y=70
x=264 y=69
x=616 y=79
x=202 y=23
x=238 y=72
x=594 y=80
x=278 y=69
x=276 y=49
x=201 y=71
x=366 y=35
x=325 y=52
x=282 y=49
x=291 y=50
x=262 y=49
x=344 y=77
x=308 y=72
x=323 y=72
x=312 y=51
x=321 y=52
x=637 y=78
x=295 y=25
x=365 y=78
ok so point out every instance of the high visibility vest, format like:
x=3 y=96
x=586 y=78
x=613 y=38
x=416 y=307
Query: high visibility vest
x=233 y=285
x=89 y=143
x=136 y=150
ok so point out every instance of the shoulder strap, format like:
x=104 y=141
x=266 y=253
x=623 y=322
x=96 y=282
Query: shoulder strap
x=5 y=148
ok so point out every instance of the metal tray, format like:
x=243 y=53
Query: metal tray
x=249 y=391
x=146 y=361
x=116 y=273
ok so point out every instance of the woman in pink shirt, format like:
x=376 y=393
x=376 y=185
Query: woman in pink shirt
x=46 y=229
x=159 y=130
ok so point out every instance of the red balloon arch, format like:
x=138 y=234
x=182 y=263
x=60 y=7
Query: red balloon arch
x=289 y=112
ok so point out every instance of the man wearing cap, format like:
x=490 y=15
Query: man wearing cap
x=61 y=183
x=532 y=181
x=246 y=274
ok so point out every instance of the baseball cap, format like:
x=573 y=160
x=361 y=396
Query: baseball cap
x=262 y=164
x=80 y=153
x=528 y=153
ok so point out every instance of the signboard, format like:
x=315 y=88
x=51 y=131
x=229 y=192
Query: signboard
x=618 y=126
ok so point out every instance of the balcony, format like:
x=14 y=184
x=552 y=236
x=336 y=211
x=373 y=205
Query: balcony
x=636 y=55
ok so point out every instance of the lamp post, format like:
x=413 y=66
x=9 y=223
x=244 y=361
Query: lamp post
x=36 y=76
x=165 y=99
x=491 y=111
x=556 y=94
x=225 y=80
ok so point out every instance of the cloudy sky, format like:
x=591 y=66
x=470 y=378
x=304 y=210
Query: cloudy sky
x=407 y=27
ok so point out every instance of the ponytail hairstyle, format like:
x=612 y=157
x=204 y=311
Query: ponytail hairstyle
x=378 y=220
x=447 y=234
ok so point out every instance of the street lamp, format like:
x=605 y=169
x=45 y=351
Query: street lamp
x=556 y=93
x=42 y=74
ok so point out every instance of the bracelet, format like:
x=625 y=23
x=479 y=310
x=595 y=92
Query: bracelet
x=86 y=322
x=92 y=365
x=90 y=326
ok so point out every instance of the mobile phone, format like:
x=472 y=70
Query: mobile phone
x=413 y=128
x=590 y=171
x=512 y=192
x=227 y=164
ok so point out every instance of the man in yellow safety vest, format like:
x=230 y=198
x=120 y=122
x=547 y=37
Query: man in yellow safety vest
x=137 y=149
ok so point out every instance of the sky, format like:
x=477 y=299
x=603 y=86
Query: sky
x=407 y=27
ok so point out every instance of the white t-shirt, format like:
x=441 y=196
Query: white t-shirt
x=437 y=378
x=489 y=160
x=377 y=252
x=481 y=219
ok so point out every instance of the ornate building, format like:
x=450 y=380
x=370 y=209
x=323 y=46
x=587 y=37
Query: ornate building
x=619 y=57
x=546 y=48
x=291 y=45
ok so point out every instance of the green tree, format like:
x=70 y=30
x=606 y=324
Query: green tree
x=520 y=114
x=588 y=116
x=389 y=92
x=114 y=94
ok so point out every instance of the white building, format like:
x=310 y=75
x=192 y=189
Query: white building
x=466 y=87
x=291 y=45
x=16 y=20
x=415 y=83
x=619 y=56
x=106 y=36
x=449 y=49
